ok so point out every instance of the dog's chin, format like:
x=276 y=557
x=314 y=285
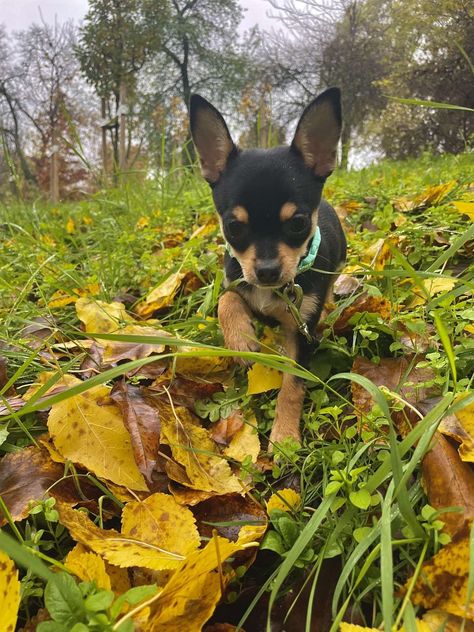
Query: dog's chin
x=252 y=280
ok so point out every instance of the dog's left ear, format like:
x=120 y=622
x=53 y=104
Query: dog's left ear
x=211 y=137
x=318 y=132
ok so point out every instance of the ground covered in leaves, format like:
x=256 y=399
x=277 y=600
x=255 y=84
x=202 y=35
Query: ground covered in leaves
x=136 y=491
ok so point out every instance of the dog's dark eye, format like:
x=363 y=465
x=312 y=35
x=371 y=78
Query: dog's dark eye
x=236 y=229
x=297 y=225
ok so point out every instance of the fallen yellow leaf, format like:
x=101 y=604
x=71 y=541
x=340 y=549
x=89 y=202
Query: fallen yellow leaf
x=466 y=208
x=117 y=548
x=70 y=226
x=461 y=427
x=245 y=442
x=191 y=595
x=192 y=447
x=161 y=520
x=200 y=365
x=100 y=317
x=443 y=581
x=161 y=296
x=89 y=567
x=10 y=593
x=262 y=378
x=432 y=287
x=285 y=500
x=88 y=430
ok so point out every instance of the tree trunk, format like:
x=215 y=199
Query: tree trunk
x=122 y=128
x=345 y=146
x=54 y=171
x=104 y=141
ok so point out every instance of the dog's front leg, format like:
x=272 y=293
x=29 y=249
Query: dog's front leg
x=235 y=319
x=290 y=399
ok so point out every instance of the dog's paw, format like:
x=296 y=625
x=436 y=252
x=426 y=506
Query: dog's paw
x=244 y=340
x=280 y=435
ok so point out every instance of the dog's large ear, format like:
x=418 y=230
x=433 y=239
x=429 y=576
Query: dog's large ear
x=318 y=132
x=211 y=137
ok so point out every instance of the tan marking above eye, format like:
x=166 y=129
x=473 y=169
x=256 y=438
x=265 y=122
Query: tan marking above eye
x=240 y=214
x=287 y=211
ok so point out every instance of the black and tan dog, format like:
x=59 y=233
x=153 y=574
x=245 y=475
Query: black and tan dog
x=280 y=234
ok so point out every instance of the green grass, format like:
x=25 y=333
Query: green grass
x=124 y=242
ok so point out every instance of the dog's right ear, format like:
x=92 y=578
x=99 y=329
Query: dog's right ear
x=211 y=137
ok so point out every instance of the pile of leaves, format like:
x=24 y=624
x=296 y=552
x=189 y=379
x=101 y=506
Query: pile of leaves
x=136 y=487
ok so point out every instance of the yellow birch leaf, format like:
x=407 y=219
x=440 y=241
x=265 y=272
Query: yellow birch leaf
x=100 y=317
x=466 y=208
x=117 y=548
x=461 y=427
x=193 y=448
x=432 y=287
x=262 y=378
x=285 y=500
x=88 y=429
x=189 y=598
x=352 y=627
x=64 y=382
x=443 y=581
x=161 y=520
x=245 y=442
x=161 y=296
x=436 y=193
x=89 y=567
x=200 y=365
x=10 y=592
x=142 y=223
x=469 y=329
x=70 y=226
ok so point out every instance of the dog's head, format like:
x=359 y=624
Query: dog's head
x=268 y=199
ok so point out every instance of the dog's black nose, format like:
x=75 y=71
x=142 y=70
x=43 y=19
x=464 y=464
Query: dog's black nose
x=268 y=272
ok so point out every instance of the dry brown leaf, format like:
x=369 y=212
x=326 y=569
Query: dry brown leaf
x=115 y=351
x=88 y=429
x=117 y=548
x=224 y=430
x=346 y=284
x=192 y=447
x=395 y=374
x=448 y=482
x=184 y=391
x=443 y=580
x=161 y=520
x=29 y=475
x=232 y=511
x=10 y=593
x=364 y=303
x=142 y=421
x=461 y=427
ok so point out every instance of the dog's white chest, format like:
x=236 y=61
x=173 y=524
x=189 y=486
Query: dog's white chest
x=265 y=301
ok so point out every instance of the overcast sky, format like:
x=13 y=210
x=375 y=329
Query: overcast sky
x=19 y=14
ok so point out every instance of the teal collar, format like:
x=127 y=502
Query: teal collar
x=306 y=263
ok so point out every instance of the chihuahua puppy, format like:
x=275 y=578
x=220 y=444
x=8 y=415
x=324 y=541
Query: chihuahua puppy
x=283 y=239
